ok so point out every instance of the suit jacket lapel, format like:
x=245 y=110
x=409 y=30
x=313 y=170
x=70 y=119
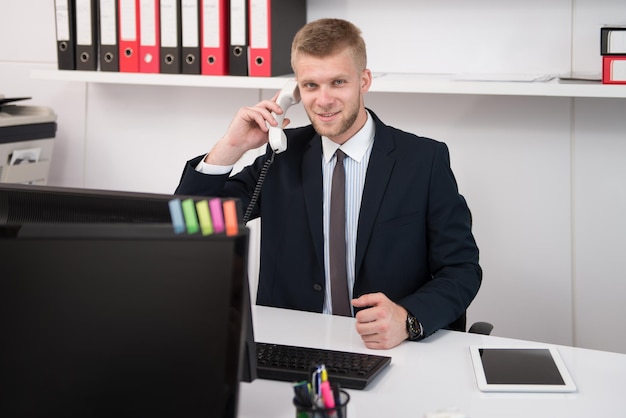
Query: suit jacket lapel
x=378 y=172
x=313 y=193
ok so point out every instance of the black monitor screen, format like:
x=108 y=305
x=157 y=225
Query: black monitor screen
x=120 y=320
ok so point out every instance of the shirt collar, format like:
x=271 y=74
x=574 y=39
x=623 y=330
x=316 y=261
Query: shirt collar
x=354 y=147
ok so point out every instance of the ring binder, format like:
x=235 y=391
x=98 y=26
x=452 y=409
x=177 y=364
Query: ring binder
x=65 y=34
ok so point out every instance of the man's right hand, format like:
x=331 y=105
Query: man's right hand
x=247 y=130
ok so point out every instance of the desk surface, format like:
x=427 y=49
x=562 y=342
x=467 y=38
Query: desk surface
x=431 y=375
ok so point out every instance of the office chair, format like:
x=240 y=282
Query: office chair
x=481 y=327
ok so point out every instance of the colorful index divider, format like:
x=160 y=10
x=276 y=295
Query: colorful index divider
x=189 y=213
x=206 y=225
x=212 y=216
x=230 y=217
x=176 y=213
x=217 y=214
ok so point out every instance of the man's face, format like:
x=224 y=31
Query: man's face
x=331 y=89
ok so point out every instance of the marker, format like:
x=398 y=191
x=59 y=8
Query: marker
x=327 y=395
x=328 y=398
x=302 y=393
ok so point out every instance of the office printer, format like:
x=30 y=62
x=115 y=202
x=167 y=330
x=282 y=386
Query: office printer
x=26 y=141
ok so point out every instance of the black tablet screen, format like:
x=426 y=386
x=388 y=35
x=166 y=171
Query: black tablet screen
x=520 y=366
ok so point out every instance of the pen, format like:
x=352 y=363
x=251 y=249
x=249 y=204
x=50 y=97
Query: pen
x=316 y=380
x=337 y=399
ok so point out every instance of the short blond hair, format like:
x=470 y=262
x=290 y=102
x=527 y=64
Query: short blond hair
x=325 y=37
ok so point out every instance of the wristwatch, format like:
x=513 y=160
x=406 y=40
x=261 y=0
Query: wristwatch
x=413 y=327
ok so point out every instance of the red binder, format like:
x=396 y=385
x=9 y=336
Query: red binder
x=272 y=25
x=149 y=36
x=614 y=69
x=214 y=37
x=129 y=35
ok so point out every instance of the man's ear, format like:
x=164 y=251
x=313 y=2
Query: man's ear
x=366 y=80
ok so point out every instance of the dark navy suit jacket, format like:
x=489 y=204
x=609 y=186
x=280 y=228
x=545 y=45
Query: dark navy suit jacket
x=414 y=240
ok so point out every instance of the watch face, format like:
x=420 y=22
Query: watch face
x=412 y=327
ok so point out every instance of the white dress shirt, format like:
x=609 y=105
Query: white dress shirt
x=357 y=150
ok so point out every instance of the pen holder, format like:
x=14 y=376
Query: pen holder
x=340 y=410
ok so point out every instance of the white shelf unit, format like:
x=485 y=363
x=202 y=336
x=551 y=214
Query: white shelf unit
x=383 y=82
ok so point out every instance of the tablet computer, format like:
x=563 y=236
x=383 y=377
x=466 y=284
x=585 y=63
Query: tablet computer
x=520 y=369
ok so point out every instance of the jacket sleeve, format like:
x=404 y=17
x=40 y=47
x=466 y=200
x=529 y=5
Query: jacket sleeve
x=452 y=252
x=240 y=185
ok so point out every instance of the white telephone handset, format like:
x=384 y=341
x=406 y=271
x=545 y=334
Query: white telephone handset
x=288 y=96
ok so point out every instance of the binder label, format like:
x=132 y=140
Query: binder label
x=259 y=24
x=189 y=16
x=169 y=24
x=108 y=19
x=128 y=23
x=211 y=24
x=617 y=42
x=148 y=20
x=238 y=22
x=618 y=70
x=83 y=22
x=63 y=20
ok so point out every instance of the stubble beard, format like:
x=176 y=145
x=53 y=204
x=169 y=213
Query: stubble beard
x=332 y=131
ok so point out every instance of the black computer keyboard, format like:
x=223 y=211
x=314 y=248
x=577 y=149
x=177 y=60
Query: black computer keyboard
x=292 y=364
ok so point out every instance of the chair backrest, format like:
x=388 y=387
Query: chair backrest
x=480 y=327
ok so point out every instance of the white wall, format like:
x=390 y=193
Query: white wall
x=543 y=175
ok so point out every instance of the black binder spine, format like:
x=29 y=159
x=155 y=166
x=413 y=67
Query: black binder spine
x=86 y=35
x=190 y=27
x=109 y=35
x=170 y=37
x=65 y=34
x=238 y=46
x=613 y=40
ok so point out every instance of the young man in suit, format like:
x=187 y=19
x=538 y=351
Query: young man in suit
x=412 y=261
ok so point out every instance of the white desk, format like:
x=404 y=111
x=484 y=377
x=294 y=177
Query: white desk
x=431 y=375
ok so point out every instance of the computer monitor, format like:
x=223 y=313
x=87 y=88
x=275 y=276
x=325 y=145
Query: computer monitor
x=121 y=319
x=25 y=204
x=22 y=204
